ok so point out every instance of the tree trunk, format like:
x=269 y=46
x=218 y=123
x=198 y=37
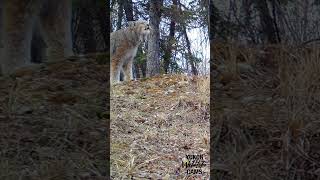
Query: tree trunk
x=268 y=29
x=120 y=14
x=172 y=28
x=84 y=38
x=153 y=57
x=211 y=22
x=190 y=57
x=111 y=7
x=275 y=17
x=246 y=4
x=38 y=47
x=128 y=9
x=102 y=14
x=305 y=18
x=90 y=27
x=1 y=28
x=246 y=10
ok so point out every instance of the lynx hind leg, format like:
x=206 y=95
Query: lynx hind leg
x=128 y=64
x=55 y=20
x=18 y=19
x=115 y=69
x=127 y=69
x=38 y=46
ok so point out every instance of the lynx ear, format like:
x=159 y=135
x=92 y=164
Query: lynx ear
x=131 y=23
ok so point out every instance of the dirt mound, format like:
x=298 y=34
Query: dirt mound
x=155 y=123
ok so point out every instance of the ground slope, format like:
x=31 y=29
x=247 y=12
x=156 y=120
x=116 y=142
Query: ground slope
x=155 y=123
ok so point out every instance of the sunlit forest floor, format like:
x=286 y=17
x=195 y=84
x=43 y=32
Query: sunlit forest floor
x=266 y=114
x=53 y=121
x=155 y=123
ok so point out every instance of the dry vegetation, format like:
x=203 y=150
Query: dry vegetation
x=155 y=123
x=266 y=113
x=53 y=121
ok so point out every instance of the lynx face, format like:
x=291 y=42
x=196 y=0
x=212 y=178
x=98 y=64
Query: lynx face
x=123 y=48
x=145 y=31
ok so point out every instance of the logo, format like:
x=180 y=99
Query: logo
x=193 y=164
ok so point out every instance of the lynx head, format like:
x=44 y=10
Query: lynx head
x=142 y=28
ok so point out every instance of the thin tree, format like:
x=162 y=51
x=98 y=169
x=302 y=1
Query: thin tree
x=38 y=47
x=168 y=50
x=120 y=14
x=153 y=57
x=86 y=26
x=190 y=57
x=128 y=9
x=102 y=15
x=267 y=25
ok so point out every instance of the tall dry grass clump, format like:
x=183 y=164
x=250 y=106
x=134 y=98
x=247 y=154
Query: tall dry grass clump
x=299 y=85
x=265 y=123
x=203 y=87
x=231 y=59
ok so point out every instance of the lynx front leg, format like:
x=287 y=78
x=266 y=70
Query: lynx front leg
x=127 y=68
x=115 y=69
x=56 y=24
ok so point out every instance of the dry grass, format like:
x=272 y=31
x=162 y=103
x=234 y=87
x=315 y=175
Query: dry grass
x=155 y=123
x=266 y=122
x=53 y=122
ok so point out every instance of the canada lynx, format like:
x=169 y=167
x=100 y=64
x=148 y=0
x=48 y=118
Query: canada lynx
x=123 y=48
x=20 y=19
